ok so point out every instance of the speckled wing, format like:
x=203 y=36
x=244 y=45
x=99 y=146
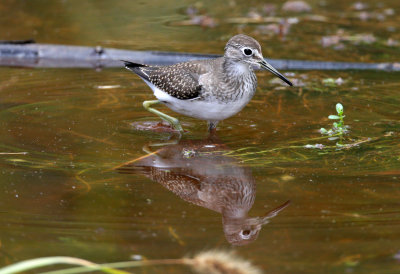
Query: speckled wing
x=177 y=80
x=183 y=185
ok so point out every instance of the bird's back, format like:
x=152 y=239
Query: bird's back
x=180 y=80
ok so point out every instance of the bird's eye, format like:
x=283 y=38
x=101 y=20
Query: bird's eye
x=247 y=51
x=245 y=234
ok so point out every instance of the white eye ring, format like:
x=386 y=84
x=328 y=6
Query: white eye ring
x=246 y=235
x=247 y=51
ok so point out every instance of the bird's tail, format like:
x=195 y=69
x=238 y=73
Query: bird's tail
x=137 y=68
x=132 y=66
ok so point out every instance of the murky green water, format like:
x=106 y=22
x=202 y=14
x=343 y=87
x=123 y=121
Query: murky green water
x=74 y=181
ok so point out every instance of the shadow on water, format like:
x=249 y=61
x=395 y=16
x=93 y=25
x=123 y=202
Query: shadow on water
x=199 y=172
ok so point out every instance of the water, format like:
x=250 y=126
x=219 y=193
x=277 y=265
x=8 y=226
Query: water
x=72 y=184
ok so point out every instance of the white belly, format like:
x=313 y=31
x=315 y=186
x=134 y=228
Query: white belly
x=203 y=110
x=206 y=110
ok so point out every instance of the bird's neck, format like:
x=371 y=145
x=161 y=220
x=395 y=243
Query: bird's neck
x=234 y=68
x=236 y=213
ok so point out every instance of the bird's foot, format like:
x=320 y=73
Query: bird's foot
x=168 y=127
x=154 y=126
x=169 y=119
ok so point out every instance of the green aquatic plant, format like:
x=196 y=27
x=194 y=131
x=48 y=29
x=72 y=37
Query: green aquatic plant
x=87 y=266
x=339 y=129
x=210 y=262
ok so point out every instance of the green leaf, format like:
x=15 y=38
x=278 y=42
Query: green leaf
x=329 y=82
x=333 y=117
x=48 y=261
x=323 y=131
x=339 y=108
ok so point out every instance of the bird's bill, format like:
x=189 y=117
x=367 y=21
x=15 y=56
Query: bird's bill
x=271 y=69
x=272 y=213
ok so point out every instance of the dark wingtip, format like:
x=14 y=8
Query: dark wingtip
x=130 y=65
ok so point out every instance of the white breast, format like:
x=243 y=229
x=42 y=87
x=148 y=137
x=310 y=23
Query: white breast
x=203 y=110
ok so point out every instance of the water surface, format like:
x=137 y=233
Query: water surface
x=67 y=134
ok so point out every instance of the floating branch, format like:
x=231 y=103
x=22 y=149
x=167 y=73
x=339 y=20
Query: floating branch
x=27 y=54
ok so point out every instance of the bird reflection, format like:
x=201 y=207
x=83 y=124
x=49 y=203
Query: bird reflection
x=201 y=172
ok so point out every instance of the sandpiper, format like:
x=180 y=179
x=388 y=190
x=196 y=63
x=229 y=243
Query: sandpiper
x=211 y=90
x=203 y=172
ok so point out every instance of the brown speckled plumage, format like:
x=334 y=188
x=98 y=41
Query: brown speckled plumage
x=208 y=178
x=213 y=89
x=183 y=80
x=180 y=80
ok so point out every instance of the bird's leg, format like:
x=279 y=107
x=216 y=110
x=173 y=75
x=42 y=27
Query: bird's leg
x=212 y=126
x=169 y=119
x=172 y=141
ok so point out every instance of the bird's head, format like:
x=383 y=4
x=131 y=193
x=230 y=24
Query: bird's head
x=242 y=231
x=246 y=50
